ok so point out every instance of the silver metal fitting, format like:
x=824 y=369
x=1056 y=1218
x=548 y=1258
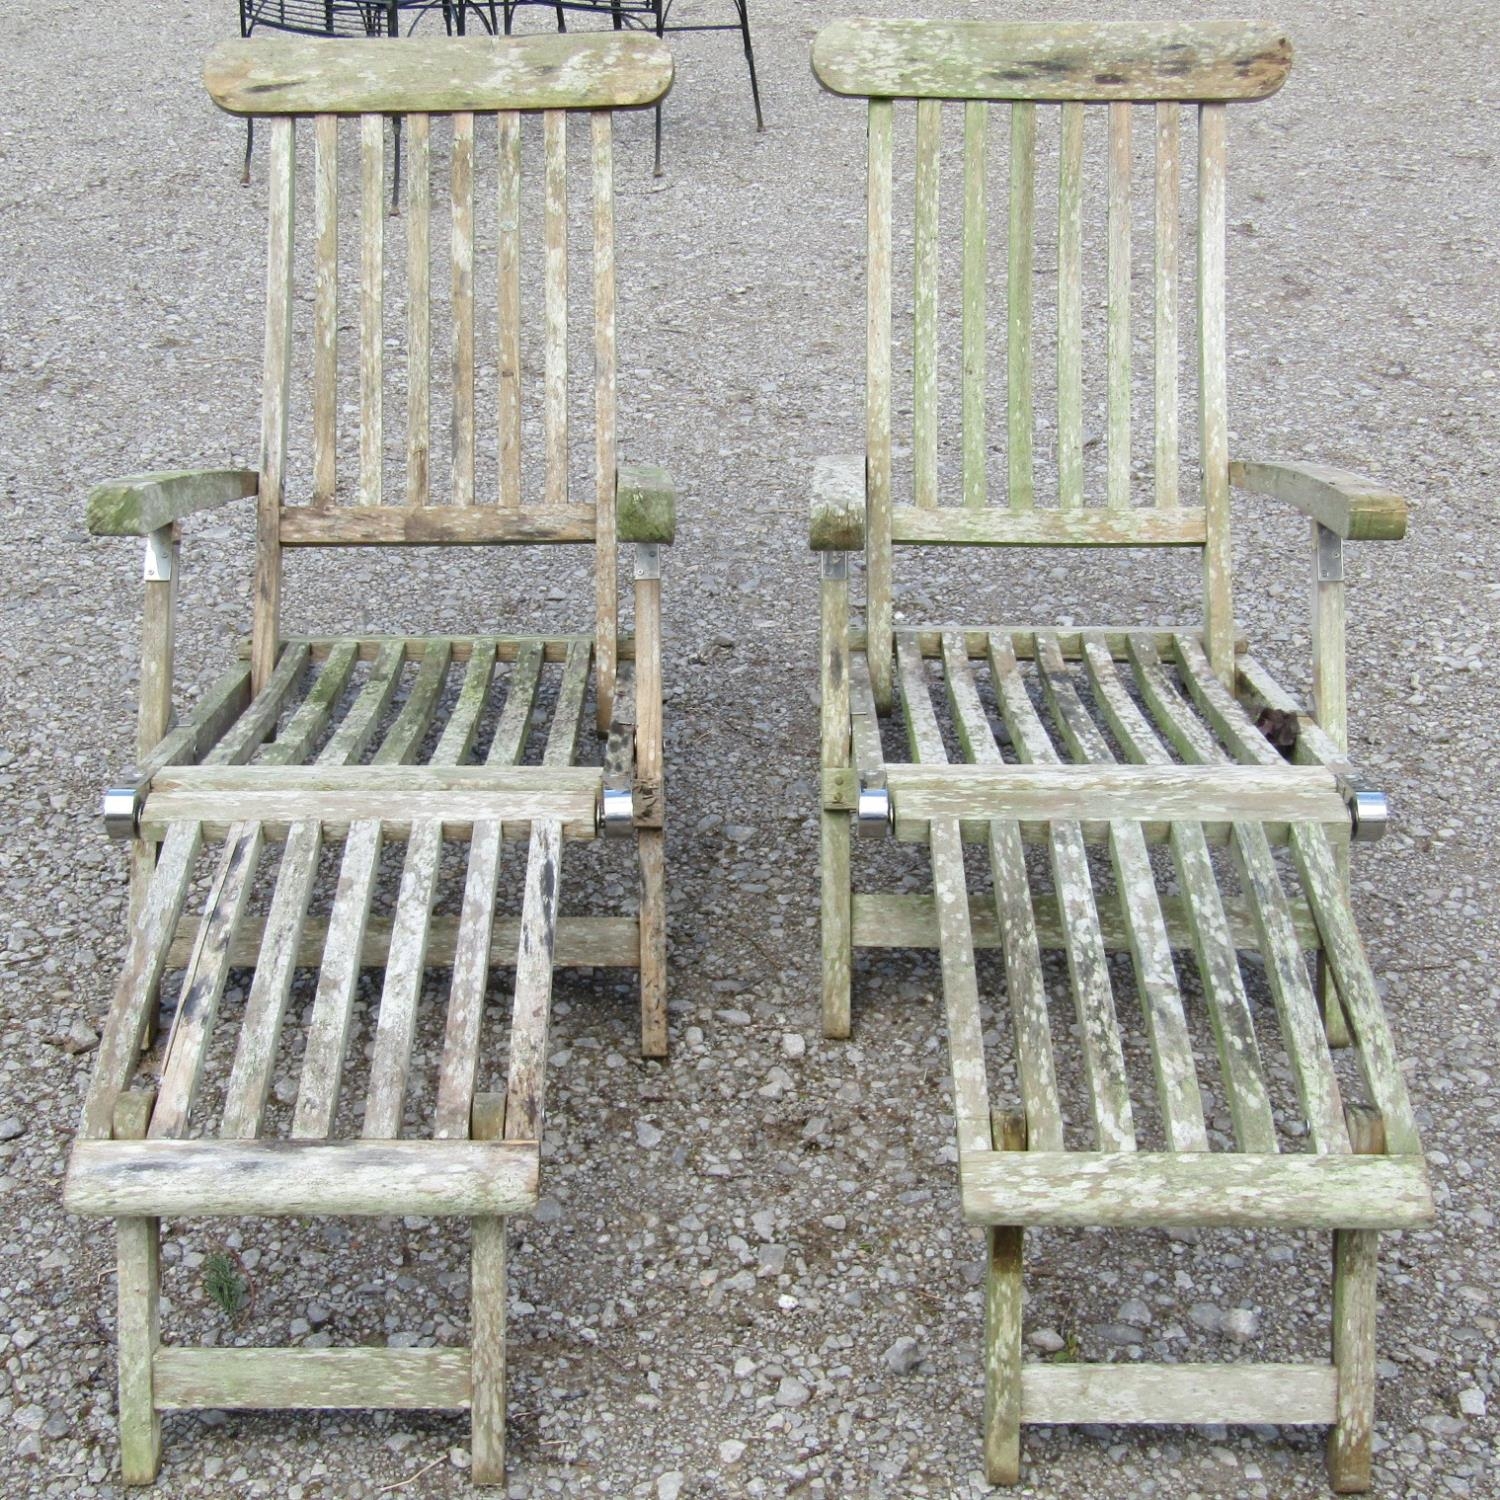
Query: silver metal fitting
x=616 y=812
x=1369 y=814
x=158 y=567
x=122 y=811
x=1330 y=555
x=835 y=566
x=872 y=817
x=648 y=560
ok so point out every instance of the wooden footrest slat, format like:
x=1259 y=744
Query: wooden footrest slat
x=310 y=1379
x=1208 y=1189
x=1283 y=1395
x=459 y=796
x=212 y=1178
x=1141 y=794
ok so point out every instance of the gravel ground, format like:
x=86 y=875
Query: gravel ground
x=748 y=1275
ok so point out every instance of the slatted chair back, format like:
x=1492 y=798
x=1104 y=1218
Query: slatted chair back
x=479 y=93
x=1032 y=496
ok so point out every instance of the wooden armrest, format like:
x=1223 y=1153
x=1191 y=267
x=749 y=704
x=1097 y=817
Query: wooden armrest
x=645 y=504
x=1354 y=508
x=838 y=504
x=143 y=503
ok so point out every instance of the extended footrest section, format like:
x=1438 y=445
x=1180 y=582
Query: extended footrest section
x=1173 y=831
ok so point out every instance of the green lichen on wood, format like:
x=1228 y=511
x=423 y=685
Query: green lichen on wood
x=142 y=503
x=645 y=504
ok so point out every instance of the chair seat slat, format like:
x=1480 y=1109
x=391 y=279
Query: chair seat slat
x=1140 y=905
x=1015 y=915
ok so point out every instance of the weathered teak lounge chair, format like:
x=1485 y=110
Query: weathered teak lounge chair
x=1113 y=741
x=258 y=822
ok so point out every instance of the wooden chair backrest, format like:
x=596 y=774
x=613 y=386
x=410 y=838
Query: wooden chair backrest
x=440 y=502
x=1116 y=66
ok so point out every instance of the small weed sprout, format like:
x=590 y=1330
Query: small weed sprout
x=225 y=1284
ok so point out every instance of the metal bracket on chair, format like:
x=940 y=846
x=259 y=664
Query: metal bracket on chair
x=872 y=815
x=647 y=560
x=122 y=811
x=158 y=565
x=617 y=812
x=1330 y=556
x=1369 y=811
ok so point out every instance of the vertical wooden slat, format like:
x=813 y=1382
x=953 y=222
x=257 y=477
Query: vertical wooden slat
x=1018 y=937
x=606 y=590
x=403 y=740
x=463 y=308
x=950 y=890
x=457 y=1074
x=1168 y=191
x=1118 y=490
x=976 y=268
x=255 y=1056
x=405 y=961
x=458 y=732
x=145 y=960
x=371 y=307
x=325 y=308
x=1020 y=254
x=924 y=304
x=1070 y=309
x=1327 y=895
x=525 y=1089
x=203 y=982
x=508 y=193
x=1229 y=1011
x=1212 y=394
x=348 y=741
x=259 y=719
x=333 y=1004
x=1088 y=963
x=562 y=734
x=555 y=296
x=878 y=405
x=419 y=310
x=1145 y=927
x=275 y=383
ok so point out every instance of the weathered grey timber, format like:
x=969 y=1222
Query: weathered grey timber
x=339 y=752
x=1192 y=61
x=293 y=76
x=1132 y=739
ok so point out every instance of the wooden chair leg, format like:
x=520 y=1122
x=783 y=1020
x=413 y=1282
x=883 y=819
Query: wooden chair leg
x=653 y=943
x=1355 y=1253
x=487 y=1319
x=1002 y=1332
x=837 y=923
x=138 y=1280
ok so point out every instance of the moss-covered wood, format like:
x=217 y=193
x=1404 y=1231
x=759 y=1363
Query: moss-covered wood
x=645 y=504
x=837 y=521
x=142 y=503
